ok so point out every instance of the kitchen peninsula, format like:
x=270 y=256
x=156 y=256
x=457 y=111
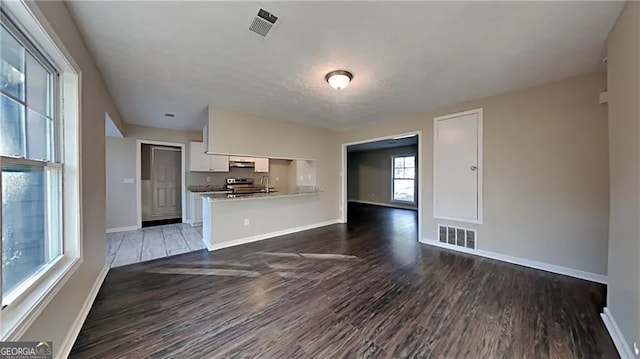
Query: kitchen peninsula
x=299 y=160
x=250 y=197
x=232 y=219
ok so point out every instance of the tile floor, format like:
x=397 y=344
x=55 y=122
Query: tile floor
x=152 y=242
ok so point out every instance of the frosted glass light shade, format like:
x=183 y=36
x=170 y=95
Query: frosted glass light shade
x=339 y=79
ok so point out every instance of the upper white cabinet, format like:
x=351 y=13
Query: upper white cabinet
x=240 y=159
x=201 y=162
x=262 y=164
x=198 y=161
x=303 y=172
x=219 y=163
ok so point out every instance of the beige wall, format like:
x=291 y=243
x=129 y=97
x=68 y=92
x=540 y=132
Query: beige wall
x=623 y=292
x=56 y=321
x=369 y=175
x=545 y=172
x=121 y=164
x=120 y=201
x=161 y=134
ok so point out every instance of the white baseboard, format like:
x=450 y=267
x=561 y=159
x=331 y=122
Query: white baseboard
x=263 y=236
x=392 y=205
x=67 y=345
x=616 y=335
x=121 y=229
x=576 y=273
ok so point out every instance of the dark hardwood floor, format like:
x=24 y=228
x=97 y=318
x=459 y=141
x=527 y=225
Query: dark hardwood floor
x=363 y=290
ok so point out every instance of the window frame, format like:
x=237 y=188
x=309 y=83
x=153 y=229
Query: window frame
x=31 y=26
x=393 y=177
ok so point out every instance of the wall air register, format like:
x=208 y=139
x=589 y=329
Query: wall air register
x=455 y=236
x=263 y=22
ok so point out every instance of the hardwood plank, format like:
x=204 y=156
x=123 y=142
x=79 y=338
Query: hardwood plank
x=365 y=289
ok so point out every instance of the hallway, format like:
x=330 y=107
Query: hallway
x=152 y=243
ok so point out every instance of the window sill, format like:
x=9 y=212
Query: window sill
x=20 y=314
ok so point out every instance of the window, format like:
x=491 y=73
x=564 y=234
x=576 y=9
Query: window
x=40 y=211
x=31 y=170
x=404 y=178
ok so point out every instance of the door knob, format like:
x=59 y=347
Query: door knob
x=473 y=168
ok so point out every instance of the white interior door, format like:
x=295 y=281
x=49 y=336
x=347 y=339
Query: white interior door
x=457 y=166
x=165 y=178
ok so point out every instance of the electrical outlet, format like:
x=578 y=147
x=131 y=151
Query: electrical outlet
x=301 y=178
x=277 y=178
x=636 y=350
x=246 y=221
x=208 y=179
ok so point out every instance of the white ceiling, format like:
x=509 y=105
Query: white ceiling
x=383 y=144
x=110 y=128
x=406 y=57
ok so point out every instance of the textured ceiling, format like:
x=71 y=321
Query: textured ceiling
x=406 y=57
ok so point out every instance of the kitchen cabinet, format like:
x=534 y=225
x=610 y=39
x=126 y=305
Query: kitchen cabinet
x=262 y=165
x=219 y=163
x=194 y=205
x=201 y=162
x=303 y=172
x=195 y=208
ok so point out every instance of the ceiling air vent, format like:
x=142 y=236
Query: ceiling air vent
x=263 y=22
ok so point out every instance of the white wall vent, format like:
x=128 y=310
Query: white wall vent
x=456 y=236
x=263 y=22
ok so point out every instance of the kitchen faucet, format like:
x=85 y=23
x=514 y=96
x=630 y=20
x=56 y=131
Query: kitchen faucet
x=266 y=188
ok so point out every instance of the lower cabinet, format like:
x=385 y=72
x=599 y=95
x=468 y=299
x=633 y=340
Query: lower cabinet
x=195 y=208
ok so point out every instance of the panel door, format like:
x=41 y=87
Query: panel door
x=165 y=166
x=457 y=167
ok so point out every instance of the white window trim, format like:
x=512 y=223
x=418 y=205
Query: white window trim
x=393 y=178
x=16 y=318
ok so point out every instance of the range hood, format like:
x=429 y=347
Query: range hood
x=242 y=164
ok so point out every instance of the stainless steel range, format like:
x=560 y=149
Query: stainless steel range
x=242 y=185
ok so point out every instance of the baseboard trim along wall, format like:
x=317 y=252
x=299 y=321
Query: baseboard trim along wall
x=259 y=237
x=66 y=347
x=392 y=205
x=576 y=273
x=121 y=229
x=616 y=335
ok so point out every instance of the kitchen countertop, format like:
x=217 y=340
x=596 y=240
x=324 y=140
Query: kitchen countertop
x=241 y=197
x=206 y=188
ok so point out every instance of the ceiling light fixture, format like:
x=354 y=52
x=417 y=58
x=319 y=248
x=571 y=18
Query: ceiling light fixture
x=339 y=79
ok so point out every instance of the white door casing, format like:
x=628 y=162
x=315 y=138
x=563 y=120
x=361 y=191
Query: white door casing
x=457 y=167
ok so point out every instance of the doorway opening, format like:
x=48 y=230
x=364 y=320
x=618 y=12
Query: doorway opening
x=383 y=172
x=161 y=183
